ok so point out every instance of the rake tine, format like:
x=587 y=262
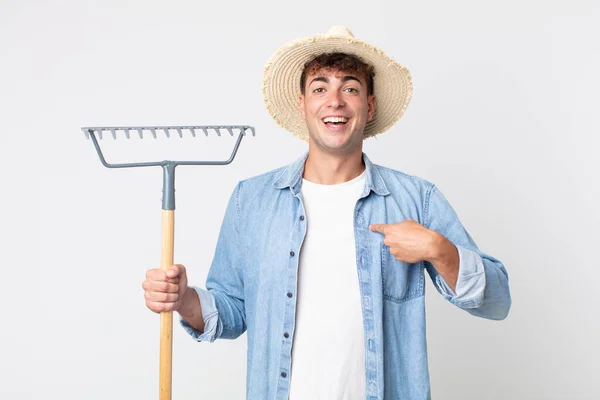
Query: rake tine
x=251 y=130
x=218 y=129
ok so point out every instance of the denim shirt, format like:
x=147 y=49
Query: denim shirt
x=252 y=282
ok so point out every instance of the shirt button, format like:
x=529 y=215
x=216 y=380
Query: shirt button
x=302 y=218
x=286 y=335
x=292 y=253
x=289 y=294
x=283 y=374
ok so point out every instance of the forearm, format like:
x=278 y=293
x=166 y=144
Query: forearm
x=445 y=259
x=191 y=310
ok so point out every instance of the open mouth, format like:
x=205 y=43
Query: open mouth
x=335 y=121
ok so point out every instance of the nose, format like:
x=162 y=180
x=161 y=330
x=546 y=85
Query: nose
x=335 y=99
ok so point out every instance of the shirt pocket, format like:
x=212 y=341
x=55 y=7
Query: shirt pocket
x=401 y=281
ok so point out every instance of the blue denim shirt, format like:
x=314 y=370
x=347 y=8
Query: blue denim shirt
x=252 y=282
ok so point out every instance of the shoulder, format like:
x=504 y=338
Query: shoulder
x=261 y=180
x=258 y=188
x=398 y=180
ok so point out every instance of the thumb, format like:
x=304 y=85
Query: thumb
x=175 y=270
x=378 y=228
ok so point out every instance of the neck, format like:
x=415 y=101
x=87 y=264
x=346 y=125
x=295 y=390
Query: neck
x=331 y=169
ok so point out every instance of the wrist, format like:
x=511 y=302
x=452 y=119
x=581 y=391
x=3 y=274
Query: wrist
x=444 y=254
x=185 y=306
x=191 y=309
x=439 y=248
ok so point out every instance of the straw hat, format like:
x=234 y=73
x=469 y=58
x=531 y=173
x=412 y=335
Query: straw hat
x=281 y=80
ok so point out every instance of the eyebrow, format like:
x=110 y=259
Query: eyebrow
x=326 y=80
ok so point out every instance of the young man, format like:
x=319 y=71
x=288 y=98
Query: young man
x=322 y=262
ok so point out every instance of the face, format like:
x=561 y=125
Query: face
x=336 y=108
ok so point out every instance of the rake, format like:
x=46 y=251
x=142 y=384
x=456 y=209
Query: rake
x=168 y=211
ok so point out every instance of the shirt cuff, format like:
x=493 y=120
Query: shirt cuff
x=470 y=285
x=210 y=314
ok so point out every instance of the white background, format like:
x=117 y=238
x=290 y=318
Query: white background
x=503 y=119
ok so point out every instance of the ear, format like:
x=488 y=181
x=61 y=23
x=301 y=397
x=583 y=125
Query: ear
x=372 y=104
x=301 y=105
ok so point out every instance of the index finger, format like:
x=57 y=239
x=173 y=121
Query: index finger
x=381 y=228
x=156 y=274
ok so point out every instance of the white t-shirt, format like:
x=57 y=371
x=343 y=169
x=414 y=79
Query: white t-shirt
x=328 y=359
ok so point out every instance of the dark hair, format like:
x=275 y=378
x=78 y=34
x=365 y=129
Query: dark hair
x=340 y=62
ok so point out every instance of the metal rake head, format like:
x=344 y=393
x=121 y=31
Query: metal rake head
x=168 y=166
x=92 y=132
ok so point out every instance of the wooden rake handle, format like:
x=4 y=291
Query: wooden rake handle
x=166 y=318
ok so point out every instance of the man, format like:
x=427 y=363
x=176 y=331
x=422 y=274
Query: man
x=322 y=262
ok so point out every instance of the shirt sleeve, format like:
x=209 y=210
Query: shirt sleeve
x=482 y=287
x=212 y=328
x=222 y=302
x=470 y=286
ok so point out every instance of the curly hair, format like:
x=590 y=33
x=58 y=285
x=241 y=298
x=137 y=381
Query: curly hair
x=341 y=62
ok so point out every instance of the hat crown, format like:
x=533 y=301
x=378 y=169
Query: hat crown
x=339 y=30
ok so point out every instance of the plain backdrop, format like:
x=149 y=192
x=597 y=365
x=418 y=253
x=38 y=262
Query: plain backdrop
x=504 y=120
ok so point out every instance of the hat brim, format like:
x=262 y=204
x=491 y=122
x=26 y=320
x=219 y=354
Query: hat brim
x=281 y=82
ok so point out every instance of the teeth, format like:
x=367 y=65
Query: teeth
x=335 y=119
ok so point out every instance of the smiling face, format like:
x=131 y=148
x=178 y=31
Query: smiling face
x=336 y=107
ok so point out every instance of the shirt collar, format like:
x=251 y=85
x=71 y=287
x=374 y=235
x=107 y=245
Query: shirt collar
x=291 y=176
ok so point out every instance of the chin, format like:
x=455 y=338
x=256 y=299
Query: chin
x=337 y=146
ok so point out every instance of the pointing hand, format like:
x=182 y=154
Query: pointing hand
x=408 y=240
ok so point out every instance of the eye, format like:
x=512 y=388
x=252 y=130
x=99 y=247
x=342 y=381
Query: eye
x=352 y=90
x=319 y=90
